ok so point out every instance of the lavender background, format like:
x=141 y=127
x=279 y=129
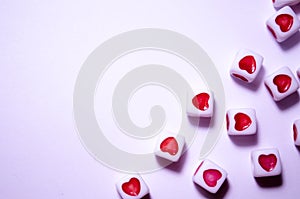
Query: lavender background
x=44 y=43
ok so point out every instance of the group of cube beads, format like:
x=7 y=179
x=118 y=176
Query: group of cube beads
x=239 y=121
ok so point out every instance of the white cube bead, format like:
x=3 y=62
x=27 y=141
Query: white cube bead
x=266 y=162
x=132 y=187
x=246 y=65
x=281 y=83
x=296 y=130
x=209 y=176
x=283 y=24
x=170 y=146
x=200 y=105
x=241 y=121
x=281 y=3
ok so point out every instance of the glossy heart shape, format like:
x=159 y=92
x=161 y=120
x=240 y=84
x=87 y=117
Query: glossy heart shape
x=200 y=101
x=283 y=82
x=198 y=168
x=248 y=64
x=269 y=90
x=169 y=145
x=285 y=22
x=132 y=187
x=227 y=122
x=295 y=132
x=272 y=31
x=267 y=162
x=211 y=177
x=240 y=77
x=242 y=121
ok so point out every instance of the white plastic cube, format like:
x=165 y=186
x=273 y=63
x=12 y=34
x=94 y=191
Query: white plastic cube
x=281 y=3
x=266 y=162
x=170 y=147
x=246 y=65
x=281 y=83
x=283 y=24
x=200 y=105
x=209 y=176
x=296 y=130
x=241 y=121
x=132 y=187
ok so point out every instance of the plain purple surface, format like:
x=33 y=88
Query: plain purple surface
x=42 y=47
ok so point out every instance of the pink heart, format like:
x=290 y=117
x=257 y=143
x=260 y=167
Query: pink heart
x=211 y=177
x=267 y=162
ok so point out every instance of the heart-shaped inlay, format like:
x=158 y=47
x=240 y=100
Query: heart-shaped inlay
x=285 y=22
x=272 y=31
x=283 y=82
x=267 y=162
x=211 y=176
x=198 y=168
x=169 y=145
x=248 y=64
x=227 y=122
x=270 y=91
x=295 y=132
x=132 y=187
x=240 y=77
x=242 y=121
x=200 y=101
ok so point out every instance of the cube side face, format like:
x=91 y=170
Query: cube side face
x=246 y=65
x=170 y=147
x=209 y=176
x=283 y=24
x=281 y=83
x=132 y=187
x=266 y=162
x=200 y=105
x=296 y=131
x=298 y=72
x=281 y=3
x=241 y=121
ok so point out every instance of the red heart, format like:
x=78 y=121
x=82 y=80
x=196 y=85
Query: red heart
x=267 y=162
x=248 y=64
x=272 y=31
x=283 y=82
x=198 y=168
x=270 y=91
x=169 y=145
x=132 y=187
x=285 y=22
x=240 y=77
x=227 y=122
x=295 y=132
x=200 y=101
x=211 y=176
x=242 y=121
